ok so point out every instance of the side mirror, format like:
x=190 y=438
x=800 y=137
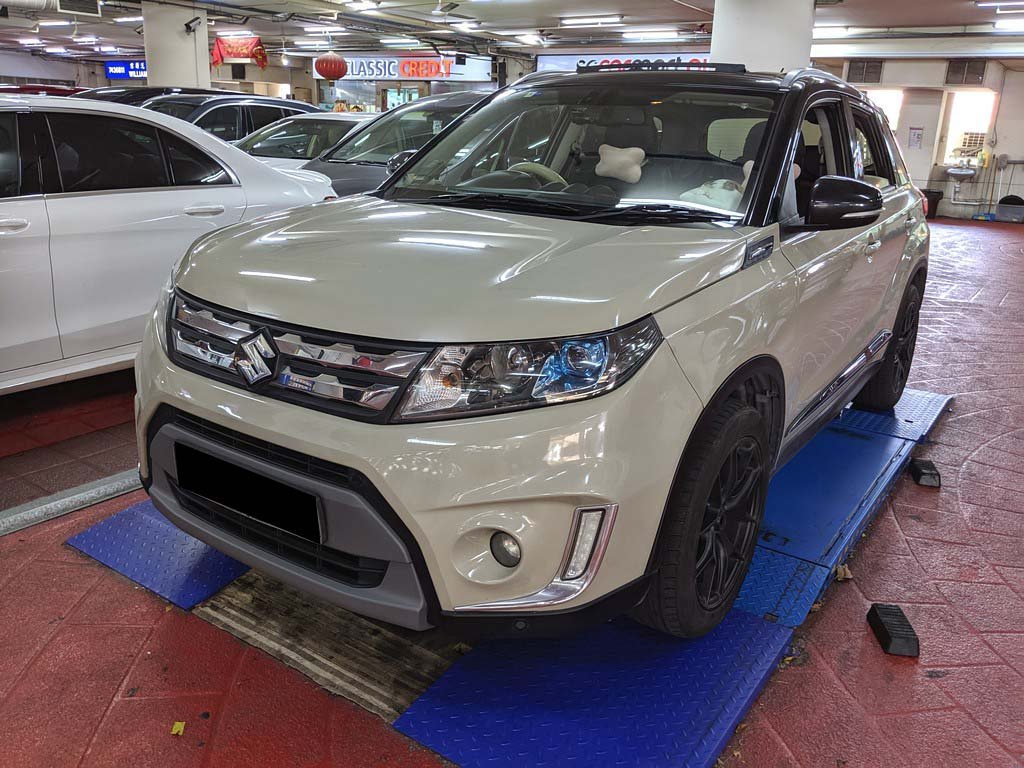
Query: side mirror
x=838 y=202
x=396 y=161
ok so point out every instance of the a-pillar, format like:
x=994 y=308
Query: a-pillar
x=175 y=55
x=770 y=36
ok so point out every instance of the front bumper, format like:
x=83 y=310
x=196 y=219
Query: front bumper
x=438 y=486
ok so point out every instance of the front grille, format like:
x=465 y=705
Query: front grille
x=354 y=377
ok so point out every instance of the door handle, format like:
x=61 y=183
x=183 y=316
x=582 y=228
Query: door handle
x=10 y=226
x=909 y=224
x=873 y=246
x=204 y=210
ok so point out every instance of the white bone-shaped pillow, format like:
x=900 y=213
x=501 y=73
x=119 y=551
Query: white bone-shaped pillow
x=618 y=163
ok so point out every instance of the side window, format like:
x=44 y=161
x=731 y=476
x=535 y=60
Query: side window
x=818 y=153
x=96 y=153
x=222 y=122
x=10 y=167
x=262 y=116
x=870 y=161
x=727 y=137
x=191 y=166
x=38 y=165
x=896 y=160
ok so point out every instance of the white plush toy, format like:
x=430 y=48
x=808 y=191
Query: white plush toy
x=622 y=164
x=724 y=193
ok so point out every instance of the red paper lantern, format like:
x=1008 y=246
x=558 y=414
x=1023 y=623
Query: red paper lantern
x=331 y=66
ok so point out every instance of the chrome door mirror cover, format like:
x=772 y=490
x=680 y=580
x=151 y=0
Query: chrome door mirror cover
x=838 y=202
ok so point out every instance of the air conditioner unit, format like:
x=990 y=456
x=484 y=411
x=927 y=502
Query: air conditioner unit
x=79 y=7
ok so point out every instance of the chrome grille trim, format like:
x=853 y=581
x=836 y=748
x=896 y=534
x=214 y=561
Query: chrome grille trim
x=361 y=379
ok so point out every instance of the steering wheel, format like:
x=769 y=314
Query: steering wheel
x=540 y=172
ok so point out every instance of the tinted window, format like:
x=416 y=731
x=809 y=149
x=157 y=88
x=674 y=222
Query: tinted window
x=38 y=166
x=819 y=153
x=295 y=139
x=222 y=122
x=870 y=164
x=98 y=153
x=10 y=171
x=178 y=109
x=896 y=158
x=190 y=165
x=262 y=116
x=395 y=132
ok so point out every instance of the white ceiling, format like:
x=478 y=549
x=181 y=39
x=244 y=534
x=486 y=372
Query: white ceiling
x=281 y=22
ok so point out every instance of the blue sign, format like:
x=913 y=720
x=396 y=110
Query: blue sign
x=126 y=70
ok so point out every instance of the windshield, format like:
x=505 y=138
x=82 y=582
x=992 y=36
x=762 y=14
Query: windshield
x=645 y=149
x=295 y=139
x=395 y=132
x=179 y=109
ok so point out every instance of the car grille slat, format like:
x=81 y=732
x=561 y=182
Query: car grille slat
x=352 y=377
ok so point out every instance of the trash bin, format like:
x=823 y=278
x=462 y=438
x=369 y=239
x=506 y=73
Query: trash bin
x=1010 y=208
x=933 y=196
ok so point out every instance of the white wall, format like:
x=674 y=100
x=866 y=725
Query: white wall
x=922 y=108
x=27 y=65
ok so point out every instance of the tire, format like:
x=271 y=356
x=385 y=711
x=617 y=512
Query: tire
x=679 y=601
x=885 y=388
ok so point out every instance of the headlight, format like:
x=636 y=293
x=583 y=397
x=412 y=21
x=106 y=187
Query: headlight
x=163 y=304
x=475 y=379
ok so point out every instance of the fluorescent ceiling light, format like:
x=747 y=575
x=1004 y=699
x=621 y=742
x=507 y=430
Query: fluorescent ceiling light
x=586 y=21
x=54 y=23
x=650 y=36
x=313 y=43
x=108 y=49
x=235 y=33
x=829 y=33
x=55 y=49
x=363 y=5
x=997 y=4
x=127 y=19
x=530 y=39
x=84 y=39
x=399 y=41
x=1014 y=25
x=323 y=30
x=30 y=41
x=517 y=32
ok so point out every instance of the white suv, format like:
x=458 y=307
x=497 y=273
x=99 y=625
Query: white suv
x=544 y=374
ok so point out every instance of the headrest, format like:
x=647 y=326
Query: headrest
x=753 y=142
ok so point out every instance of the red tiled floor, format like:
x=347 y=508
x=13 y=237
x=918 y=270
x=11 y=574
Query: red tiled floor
x=95 y=671
x=952 y=558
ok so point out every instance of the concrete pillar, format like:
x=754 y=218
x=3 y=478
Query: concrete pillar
x=173 y=56
x=765 y=36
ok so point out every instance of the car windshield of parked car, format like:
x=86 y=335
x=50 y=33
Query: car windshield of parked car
x=647 y=150
x=296 y=139
x=406 y=128
x=179 y=109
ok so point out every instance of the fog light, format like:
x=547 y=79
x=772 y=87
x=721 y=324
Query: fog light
x=505 y=549
x=583 y=547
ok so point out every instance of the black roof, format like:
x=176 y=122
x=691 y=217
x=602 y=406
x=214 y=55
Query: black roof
x=725 y=76
x=127 y=94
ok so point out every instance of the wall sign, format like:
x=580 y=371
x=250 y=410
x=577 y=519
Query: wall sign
x=126 y=70
x=568 y=63
x=476 y=69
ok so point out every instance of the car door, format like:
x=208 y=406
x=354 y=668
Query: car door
x=836 y=274
x=134 y=197
x=226 y=122
x=28 y=323
x=889 y=234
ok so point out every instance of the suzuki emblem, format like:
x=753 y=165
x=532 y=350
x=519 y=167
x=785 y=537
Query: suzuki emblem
x=255 y=357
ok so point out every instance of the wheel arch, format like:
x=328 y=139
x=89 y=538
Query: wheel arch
x=759 y=382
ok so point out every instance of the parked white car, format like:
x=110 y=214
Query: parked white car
x=543 y=374
x=293 y=141
x=98 y=200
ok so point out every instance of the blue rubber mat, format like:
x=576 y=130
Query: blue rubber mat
x=620 y=695
x=781 y=588
x=912 y=418
x=143 y=545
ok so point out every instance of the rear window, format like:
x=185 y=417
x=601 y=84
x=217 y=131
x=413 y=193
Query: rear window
x=179 y=109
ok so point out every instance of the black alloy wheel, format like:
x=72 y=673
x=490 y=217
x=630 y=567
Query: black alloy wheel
x=731 y=518
x=905 y=342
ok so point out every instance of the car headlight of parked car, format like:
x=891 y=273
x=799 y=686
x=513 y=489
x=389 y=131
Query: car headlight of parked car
x=475 y=379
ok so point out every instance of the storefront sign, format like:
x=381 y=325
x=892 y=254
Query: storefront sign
x=569 y=63
x=126 y=70
x=239 y=50
x=475 y=69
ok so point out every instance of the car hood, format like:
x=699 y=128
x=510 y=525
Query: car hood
x=288 y=163
x=349 y=178
x=372 y=267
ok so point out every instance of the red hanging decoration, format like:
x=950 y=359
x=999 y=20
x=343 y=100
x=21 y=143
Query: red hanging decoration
x=331 y=66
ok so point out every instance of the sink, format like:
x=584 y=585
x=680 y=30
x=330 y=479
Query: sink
x=960 y=174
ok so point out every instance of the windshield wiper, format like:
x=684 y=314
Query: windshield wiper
x=644 y=213
x=354 y=162
x=513 y=203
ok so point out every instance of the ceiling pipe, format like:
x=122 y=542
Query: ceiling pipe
x=31 y=5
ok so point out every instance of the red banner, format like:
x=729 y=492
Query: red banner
x=239 y=48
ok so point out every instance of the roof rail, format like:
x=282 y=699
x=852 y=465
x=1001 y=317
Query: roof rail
x=663 y=66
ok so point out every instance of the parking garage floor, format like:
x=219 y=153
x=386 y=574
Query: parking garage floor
x=97 y=671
